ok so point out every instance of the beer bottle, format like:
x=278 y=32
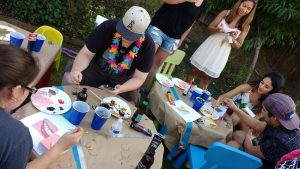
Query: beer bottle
x=146 y=161
x=82 y=96
x=148 y=158
x=137 y=116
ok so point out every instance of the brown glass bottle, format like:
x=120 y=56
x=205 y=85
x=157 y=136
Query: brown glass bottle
x=137 y=116
x=146 y=161
x=148 y=158
x=82 y=96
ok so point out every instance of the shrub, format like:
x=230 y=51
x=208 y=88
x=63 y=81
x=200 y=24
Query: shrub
x=71 y=17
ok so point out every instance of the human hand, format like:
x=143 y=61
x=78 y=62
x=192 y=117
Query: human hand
x=234 y=34
x=75 y=77
x=220 y=28
x=250 y=135
x=111 y=91
x=230 y=103
x=218 y=102
x=69 y=139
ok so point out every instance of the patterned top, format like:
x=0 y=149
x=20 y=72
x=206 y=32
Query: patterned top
x=276 y=142
x=289 y=164
x=242 y=100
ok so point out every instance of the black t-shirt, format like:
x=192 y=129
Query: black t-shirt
x=99 y=42
x=276 y=142
x=174 y=20
x=15 y=142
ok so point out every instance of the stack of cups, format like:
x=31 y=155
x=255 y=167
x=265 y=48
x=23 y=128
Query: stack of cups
x=100 y=117
x=205 y=95
x=39 y=43
x=16 y=39
x=199 y=102
x=197 y=92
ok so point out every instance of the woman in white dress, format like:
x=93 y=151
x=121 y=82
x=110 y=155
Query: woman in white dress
x=228 y=30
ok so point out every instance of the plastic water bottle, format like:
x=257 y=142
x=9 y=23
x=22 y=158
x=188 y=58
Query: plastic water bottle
x=116 y=127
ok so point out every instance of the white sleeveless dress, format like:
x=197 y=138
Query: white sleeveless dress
x=212 y=55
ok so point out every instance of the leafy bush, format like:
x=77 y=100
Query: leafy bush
x=73 y=18
x=38 y=11
x=298 y=106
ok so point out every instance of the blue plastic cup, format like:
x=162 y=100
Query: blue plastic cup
x=195 y=93
x=199 y=102
x=100 y=117
x=16 y=39
x=205 y=95
x=39 y=43
x=79 y=110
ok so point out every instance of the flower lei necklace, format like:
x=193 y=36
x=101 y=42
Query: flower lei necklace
x=113 y=51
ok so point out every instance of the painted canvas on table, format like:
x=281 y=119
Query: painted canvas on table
x=46 y=129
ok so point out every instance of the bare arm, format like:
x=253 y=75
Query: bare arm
x=213 y=26
x=135 y=82
x=65 y=142
x=183 y=36
x=250 y=148
x=237 y=43
x=231 y=93
x=132 y=84
x=253 y=123
x=81 y=62
x=82 y=59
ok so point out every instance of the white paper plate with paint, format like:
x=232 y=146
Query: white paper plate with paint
x=116 y=105
x=51 y=100
x=179 y=83
x=4 y=32
x=163 y=80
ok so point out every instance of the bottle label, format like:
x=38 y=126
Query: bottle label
x=138 y=118
x=141 y=166
x=116 y=132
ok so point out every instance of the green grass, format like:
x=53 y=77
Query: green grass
x=57 y=76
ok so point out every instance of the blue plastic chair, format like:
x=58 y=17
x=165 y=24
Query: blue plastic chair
x=218 y=156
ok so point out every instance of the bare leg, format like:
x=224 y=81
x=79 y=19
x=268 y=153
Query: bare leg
x=159 y=58
x=193 y=74
x=235 y=119
x=234 y=144
x=205 y=81
x=239 y=136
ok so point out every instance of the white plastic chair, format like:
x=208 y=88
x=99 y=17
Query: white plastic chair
x=100 y=19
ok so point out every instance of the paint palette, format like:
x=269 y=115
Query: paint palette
x=51 y=100
x=116 y=105
x=4 y=32
x=163 y=80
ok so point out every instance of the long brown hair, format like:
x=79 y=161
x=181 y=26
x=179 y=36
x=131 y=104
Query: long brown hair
x=246 y=20
x=17 y=67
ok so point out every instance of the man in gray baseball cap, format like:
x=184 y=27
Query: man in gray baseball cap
x=117 y=55
x=280 y=129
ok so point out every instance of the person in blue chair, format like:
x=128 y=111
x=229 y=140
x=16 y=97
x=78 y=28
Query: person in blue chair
x=280 y=133
x=117 y=55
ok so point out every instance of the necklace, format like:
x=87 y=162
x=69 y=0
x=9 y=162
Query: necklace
x=114 y=50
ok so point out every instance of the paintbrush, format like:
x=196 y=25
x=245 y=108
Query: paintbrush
x=214 y=108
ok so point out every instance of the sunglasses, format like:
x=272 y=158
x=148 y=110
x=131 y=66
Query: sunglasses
x=32 y=90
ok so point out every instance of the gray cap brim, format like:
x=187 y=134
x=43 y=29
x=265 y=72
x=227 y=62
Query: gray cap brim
x=125 y=33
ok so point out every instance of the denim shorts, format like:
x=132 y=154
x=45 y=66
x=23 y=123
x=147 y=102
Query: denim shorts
x=165 y=42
